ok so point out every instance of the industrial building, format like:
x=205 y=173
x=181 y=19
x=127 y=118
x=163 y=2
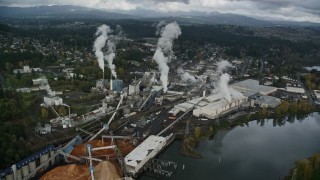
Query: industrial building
x=147 y=150
x=298 y=90
x=266 y=101
x=134 y=88
x=101 y=84
x=250 y=87
x=117 y=85
x=52 y=101
x=23 y=168
x=210 y=107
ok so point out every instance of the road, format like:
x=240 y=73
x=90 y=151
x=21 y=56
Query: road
x=244 y=67
x=310 y=94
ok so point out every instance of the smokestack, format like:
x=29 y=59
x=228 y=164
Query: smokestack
x=111 y=82
x=204 y=94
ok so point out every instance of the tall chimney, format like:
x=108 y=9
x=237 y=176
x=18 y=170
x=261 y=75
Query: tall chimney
x=111 y=82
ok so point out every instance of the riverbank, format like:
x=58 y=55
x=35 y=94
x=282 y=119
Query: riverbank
x=261 y=149
x=306 y=169
x=284 y=111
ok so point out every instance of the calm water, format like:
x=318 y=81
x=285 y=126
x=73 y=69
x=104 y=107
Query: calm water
x=259 y=151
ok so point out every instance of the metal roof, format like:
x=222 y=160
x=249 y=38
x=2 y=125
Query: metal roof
x=251 y=86
x=141 y=152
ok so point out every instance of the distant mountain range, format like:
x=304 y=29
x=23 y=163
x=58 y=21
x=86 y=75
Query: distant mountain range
x=76 y=12
x=60 y=12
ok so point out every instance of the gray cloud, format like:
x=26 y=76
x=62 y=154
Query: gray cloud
x=293 y=10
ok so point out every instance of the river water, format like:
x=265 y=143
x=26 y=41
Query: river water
x=262 y=150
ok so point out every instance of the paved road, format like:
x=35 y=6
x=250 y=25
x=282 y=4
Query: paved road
x=310 y=94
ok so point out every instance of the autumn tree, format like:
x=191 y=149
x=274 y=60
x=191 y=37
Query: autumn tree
x=197 y=132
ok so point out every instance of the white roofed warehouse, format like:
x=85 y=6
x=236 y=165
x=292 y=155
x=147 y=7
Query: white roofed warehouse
x=148 y=149
x=210 y=107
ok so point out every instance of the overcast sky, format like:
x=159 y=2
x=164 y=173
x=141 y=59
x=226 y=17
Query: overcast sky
x=294 y=10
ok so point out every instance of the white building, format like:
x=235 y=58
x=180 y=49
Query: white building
x=26 y=69
x=134 y=88
x=297 y=90
x=23 y=90
x=40 y=81
x=210 y=107
x=52 y=101
x=148 y=149
x=317 y=93
x=213 y=106
x=43 y=130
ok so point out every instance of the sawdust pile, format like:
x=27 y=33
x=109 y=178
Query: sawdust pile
x=104 y=170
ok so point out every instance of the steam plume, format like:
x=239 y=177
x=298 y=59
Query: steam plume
x=164 y=50
x=100 y=42
x=160 y=27
x=110 y=56
x=104 y=38
x=223 y=86
x=185 y=76
x=222 y=65
x=235 y=94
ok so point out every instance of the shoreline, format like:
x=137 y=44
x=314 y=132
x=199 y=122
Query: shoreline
x=189 y=143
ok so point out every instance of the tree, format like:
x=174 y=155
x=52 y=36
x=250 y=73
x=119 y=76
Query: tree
x=263 y=113
x=121 y=71
x=197 y=132
x=44 y=113
x=62 y=110
x=304 y=170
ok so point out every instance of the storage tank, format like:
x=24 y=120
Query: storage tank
x=43 y=159
x=53 y=160
x=32 y=166
x=25 y=170
x=252 y=103
x=19 y=174
x=9 y=177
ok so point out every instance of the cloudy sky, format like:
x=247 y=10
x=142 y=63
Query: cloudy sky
x=293 y=10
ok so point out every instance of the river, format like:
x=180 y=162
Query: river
x=261 y=150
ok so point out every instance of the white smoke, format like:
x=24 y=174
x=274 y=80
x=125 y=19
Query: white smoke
x=164 y=50
x=222 y=65
x=100 y=42
x=223 y=86
x=235 y=94
x=185 y=76
x=104 y=37
x=110 y=56
x=159 y=27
